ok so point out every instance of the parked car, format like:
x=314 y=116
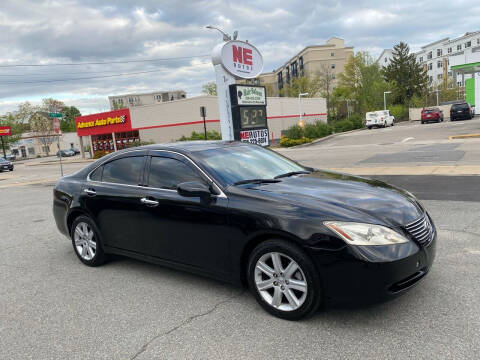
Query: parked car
x=431 y=114
x=461 y=111
x=10 y=157
x=75 y=150
x=65 y=153
x=381 y=118
x=5 y=165
x=245 y=214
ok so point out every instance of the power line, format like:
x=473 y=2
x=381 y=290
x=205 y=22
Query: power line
x=89 y=77
x=105 y=62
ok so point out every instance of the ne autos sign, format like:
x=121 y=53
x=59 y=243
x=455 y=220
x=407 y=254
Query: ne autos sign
x=103 y=123
x=239 y=58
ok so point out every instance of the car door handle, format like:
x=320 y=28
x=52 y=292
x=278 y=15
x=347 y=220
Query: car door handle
x=90 y=192
x=149 y=202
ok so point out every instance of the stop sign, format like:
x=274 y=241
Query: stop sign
x=56 y=125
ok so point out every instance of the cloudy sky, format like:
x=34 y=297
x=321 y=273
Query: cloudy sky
x=92 y=31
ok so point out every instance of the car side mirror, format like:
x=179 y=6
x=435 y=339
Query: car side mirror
x=194 y=189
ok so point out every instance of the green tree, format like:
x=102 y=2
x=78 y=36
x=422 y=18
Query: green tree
x=302 y=84
x=68 y=122
x=408 y=76
x=210 y=88
x=361 y=83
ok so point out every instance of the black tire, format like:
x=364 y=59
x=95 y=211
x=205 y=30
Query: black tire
x=369 y=127
x=99 y=257
x=314 y=296
x=422 y=122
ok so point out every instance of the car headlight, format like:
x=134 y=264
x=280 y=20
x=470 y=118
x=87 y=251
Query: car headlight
x=365 y=234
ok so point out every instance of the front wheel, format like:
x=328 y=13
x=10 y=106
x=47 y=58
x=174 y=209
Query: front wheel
x=284 y=280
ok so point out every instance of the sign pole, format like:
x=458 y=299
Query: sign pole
x=3 y=147
x=203 y=114
x=224 y=80
x=60 y=153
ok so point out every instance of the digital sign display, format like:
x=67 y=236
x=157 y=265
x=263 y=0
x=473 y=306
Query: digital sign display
x=253 y=117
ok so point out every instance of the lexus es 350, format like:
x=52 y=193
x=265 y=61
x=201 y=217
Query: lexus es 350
x=296 y=236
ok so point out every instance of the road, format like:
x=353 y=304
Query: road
x=54 y=307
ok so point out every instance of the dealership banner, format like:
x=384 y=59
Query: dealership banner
x=103 y=123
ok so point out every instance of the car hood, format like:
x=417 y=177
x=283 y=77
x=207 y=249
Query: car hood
x=344 y=197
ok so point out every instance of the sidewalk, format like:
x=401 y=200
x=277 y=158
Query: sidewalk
x=411 y=170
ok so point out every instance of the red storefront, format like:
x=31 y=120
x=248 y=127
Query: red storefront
x=108 y=131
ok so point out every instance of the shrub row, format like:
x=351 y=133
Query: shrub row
x=287 y=142
x=320 y=129
x=211 y=135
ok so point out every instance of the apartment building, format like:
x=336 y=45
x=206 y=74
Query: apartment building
x=140 y=99
x=436 y=57
x=331 y=56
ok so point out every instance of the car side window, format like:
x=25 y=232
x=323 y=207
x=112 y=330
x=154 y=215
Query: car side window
x=167 y=173
x=97 y=174
x=126 y=171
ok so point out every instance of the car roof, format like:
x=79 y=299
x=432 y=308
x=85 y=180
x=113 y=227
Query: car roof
x=188 y=146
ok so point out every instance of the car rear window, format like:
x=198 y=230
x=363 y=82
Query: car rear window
x=460 y=106
x=426 y=111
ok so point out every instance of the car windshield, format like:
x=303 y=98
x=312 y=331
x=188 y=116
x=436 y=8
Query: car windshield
x=239 y=163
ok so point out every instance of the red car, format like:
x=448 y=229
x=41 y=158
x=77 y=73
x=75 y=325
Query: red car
x=431 y=114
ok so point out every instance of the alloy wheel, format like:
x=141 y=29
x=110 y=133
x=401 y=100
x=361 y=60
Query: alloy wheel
x=85 y=242
x=280 y=281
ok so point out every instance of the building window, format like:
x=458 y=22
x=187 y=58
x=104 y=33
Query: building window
x=449 y=73
x=158 y=97
x=429 y=66
x=439 y=52
x=333 y=76
x=439 y=76
x=280 y=80
x=31 y=151
x=429 y=55
x=300 y=60
x=468 y=44
x=332 y=54
x=294 y=67
x=332 y=66
x=288 y=74
x=439 y=64
x=430 y=78
x=385 y=60
x=459 y=47
x=421 y=59
x=449 y=50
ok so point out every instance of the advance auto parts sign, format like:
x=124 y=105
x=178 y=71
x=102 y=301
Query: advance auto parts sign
x=239 y=58
x=103 y=123
x=259 y=136
x=250 y=95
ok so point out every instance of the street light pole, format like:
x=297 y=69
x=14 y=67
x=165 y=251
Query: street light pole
x=300 y=107
x=385 y=99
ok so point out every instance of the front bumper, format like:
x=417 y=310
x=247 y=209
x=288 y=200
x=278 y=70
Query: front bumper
x=352 y=276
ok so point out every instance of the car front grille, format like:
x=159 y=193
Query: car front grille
x=421 y=230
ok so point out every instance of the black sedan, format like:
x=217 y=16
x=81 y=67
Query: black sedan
x=5 y=165
x=296 y=236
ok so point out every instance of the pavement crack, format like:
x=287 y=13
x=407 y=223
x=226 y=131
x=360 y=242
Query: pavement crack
x=185 y=322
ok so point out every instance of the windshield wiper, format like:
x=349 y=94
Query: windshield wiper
x=256 y=181
x=291 y=173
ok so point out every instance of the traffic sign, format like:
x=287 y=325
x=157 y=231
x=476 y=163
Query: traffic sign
x=55 y=115
x=5 y=131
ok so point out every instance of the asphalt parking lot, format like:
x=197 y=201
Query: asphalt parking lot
x=54 y=307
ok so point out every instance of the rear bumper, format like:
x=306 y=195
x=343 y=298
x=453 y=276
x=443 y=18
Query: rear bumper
x=349 y=279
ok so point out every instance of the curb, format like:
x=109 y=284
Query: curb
x=466 y=136
x=63 y=162
x=325 y=138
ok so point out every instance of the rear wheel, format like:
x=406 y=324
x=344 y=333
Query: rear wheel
x=86 y=241
x=284 y=280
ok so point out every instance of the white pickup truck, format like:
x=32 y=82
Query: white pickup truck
x=380 y=118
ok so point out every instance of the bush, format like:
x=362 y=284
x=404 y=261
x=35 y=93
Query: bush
x=287 y=142
x=295 y=132
x=399 y=111
x=317 y=130
x=211 y=135
x=353 y=122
